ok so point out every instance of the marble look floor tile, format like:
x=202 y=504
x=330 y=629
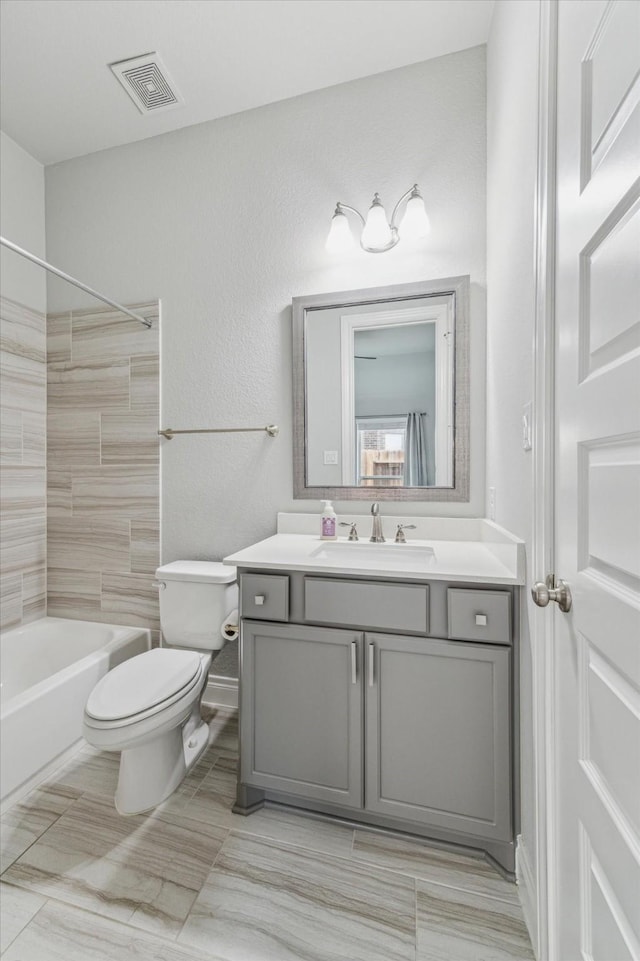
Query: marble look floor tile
x=214 y=798
x=289 y=827
x=25 y=822
x=223 y=728
x=142 y=870
x=90 y=772
x=63 y=933
x=17 y=907
x=422 y=860
x=263 y=901
x=454 y=925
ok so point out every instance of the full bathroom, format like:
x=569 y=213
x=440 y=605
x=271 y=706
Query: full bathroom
x=318 y=445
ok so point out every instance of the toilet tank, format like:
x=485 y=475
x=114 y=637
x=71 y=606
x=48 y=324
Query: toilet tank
x=195 y=600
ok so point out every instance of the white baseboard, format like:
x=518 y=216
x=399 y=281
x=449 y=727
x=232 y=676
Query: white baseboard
x=527 y=890
x=222 y=691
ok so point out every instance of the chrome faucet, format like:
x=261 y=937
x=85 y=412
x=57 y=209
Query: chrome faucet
x=377 y=536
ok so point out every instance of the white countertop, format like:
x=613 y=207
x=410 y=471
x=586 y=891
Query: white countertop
x=472 y=550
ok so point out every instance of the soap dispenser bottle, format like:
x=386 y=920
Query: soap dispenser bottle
x=328 y=523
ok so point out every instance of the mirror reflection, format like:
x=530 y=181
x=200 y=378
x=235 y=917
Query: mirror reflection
x=376 y=409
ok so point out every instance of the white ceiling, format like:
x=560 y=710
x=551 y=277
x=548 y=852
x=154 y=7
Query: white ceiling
x=60 y=100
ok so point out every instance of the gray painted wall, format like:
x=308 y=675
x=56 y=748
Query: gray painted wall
x=22 y=221
x=226 y=221
x=511 y=154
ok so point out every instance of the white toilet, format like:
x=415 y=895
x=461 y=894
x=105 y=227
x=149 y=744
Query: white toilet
x=149 y=706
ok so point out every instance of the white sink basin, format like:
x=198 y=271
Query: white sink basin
x=391 y=555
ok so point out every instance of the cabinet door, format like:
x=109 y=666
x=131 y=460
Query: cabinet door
x=301 y=729
x=438 y=721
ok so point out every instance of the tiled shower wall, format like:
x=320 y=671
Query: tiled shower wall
x=22 y=464
x=103 y=471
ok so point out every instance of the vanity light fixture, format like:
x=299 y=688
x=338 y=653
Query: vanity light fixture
x=378 y=234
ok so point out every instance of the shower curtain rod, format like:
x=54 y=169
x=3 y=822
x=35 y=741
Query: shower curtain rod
x=72 y=280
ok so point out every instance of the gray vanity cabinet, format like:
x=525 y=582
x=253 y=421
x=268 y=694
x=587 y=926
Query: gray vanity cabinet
x=302 y=711
x=403 y=720
x=438 y=733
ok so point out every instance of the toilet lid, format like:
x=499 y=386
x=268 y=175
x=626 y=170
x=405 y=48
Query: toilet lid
x=142 y=682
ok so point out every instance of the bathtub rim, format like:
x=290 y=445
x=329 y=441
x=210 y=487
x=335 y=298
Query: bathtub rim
x=25 y=698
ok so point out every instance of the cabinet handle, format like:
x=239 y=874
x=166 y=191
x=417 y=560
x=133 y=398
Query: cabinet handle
x=354 y=662
x=372 y=654
x=259 y=599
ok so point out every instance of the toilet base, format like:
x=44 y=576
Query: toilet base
x=150 y=773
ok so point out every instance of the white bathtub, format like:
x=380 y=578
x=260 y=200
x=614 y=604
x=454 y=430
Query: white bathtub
x=48 y=669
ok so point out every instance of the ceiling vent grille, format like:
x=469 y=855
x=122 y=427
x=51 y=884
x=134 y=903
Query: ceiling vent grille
x=147 y=82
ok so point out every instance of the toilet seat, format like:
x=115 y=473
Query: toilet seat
x=143 y=686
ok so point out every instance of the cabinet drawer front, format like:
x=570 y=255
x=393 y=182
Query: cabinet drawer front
x=265 y=596
x=479 y=615
x=383 y=606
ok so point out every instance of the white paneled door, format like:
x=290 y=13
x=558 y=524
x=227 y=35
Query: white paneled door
x=597 y=500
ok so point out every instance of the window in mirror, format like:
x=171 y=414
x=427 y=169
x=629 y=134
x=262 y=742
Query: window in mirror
x=378 y=390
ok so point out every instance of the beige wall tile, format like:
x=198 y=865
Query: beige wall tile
x=103 y=460
x=88 y=544
x=34 y=439
x=81 y=385
x=23 y=491
x=145 y=546
x=34 y=595
x=132 y=597
x=110 y=335
x=10 y=601
x=22 y=383
x=125 y=491
x=58 y=493
x=145 y=383
x=22 y=330
x=10 y=437
x=74 y=594
x=130 y=438
x=59 y=337
x=24 y=543
x=73 y=437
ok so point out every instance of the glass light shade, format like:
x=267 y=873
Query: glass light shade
x=376 y=231
x=415 y=223
x=340 y=239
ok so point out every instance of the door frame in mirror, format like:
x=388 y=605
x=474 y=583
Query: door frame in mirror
x=459 y=288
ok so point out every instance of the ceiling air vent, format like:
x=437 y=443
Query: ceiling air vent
x=147 y=82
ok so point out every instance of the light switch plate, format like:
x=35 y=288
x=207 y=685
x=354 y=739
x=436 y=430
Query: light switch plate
x=331 y=457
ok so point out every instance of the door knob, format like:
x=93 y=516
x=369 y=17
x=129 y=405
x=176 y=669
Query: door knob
x=552 y=590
